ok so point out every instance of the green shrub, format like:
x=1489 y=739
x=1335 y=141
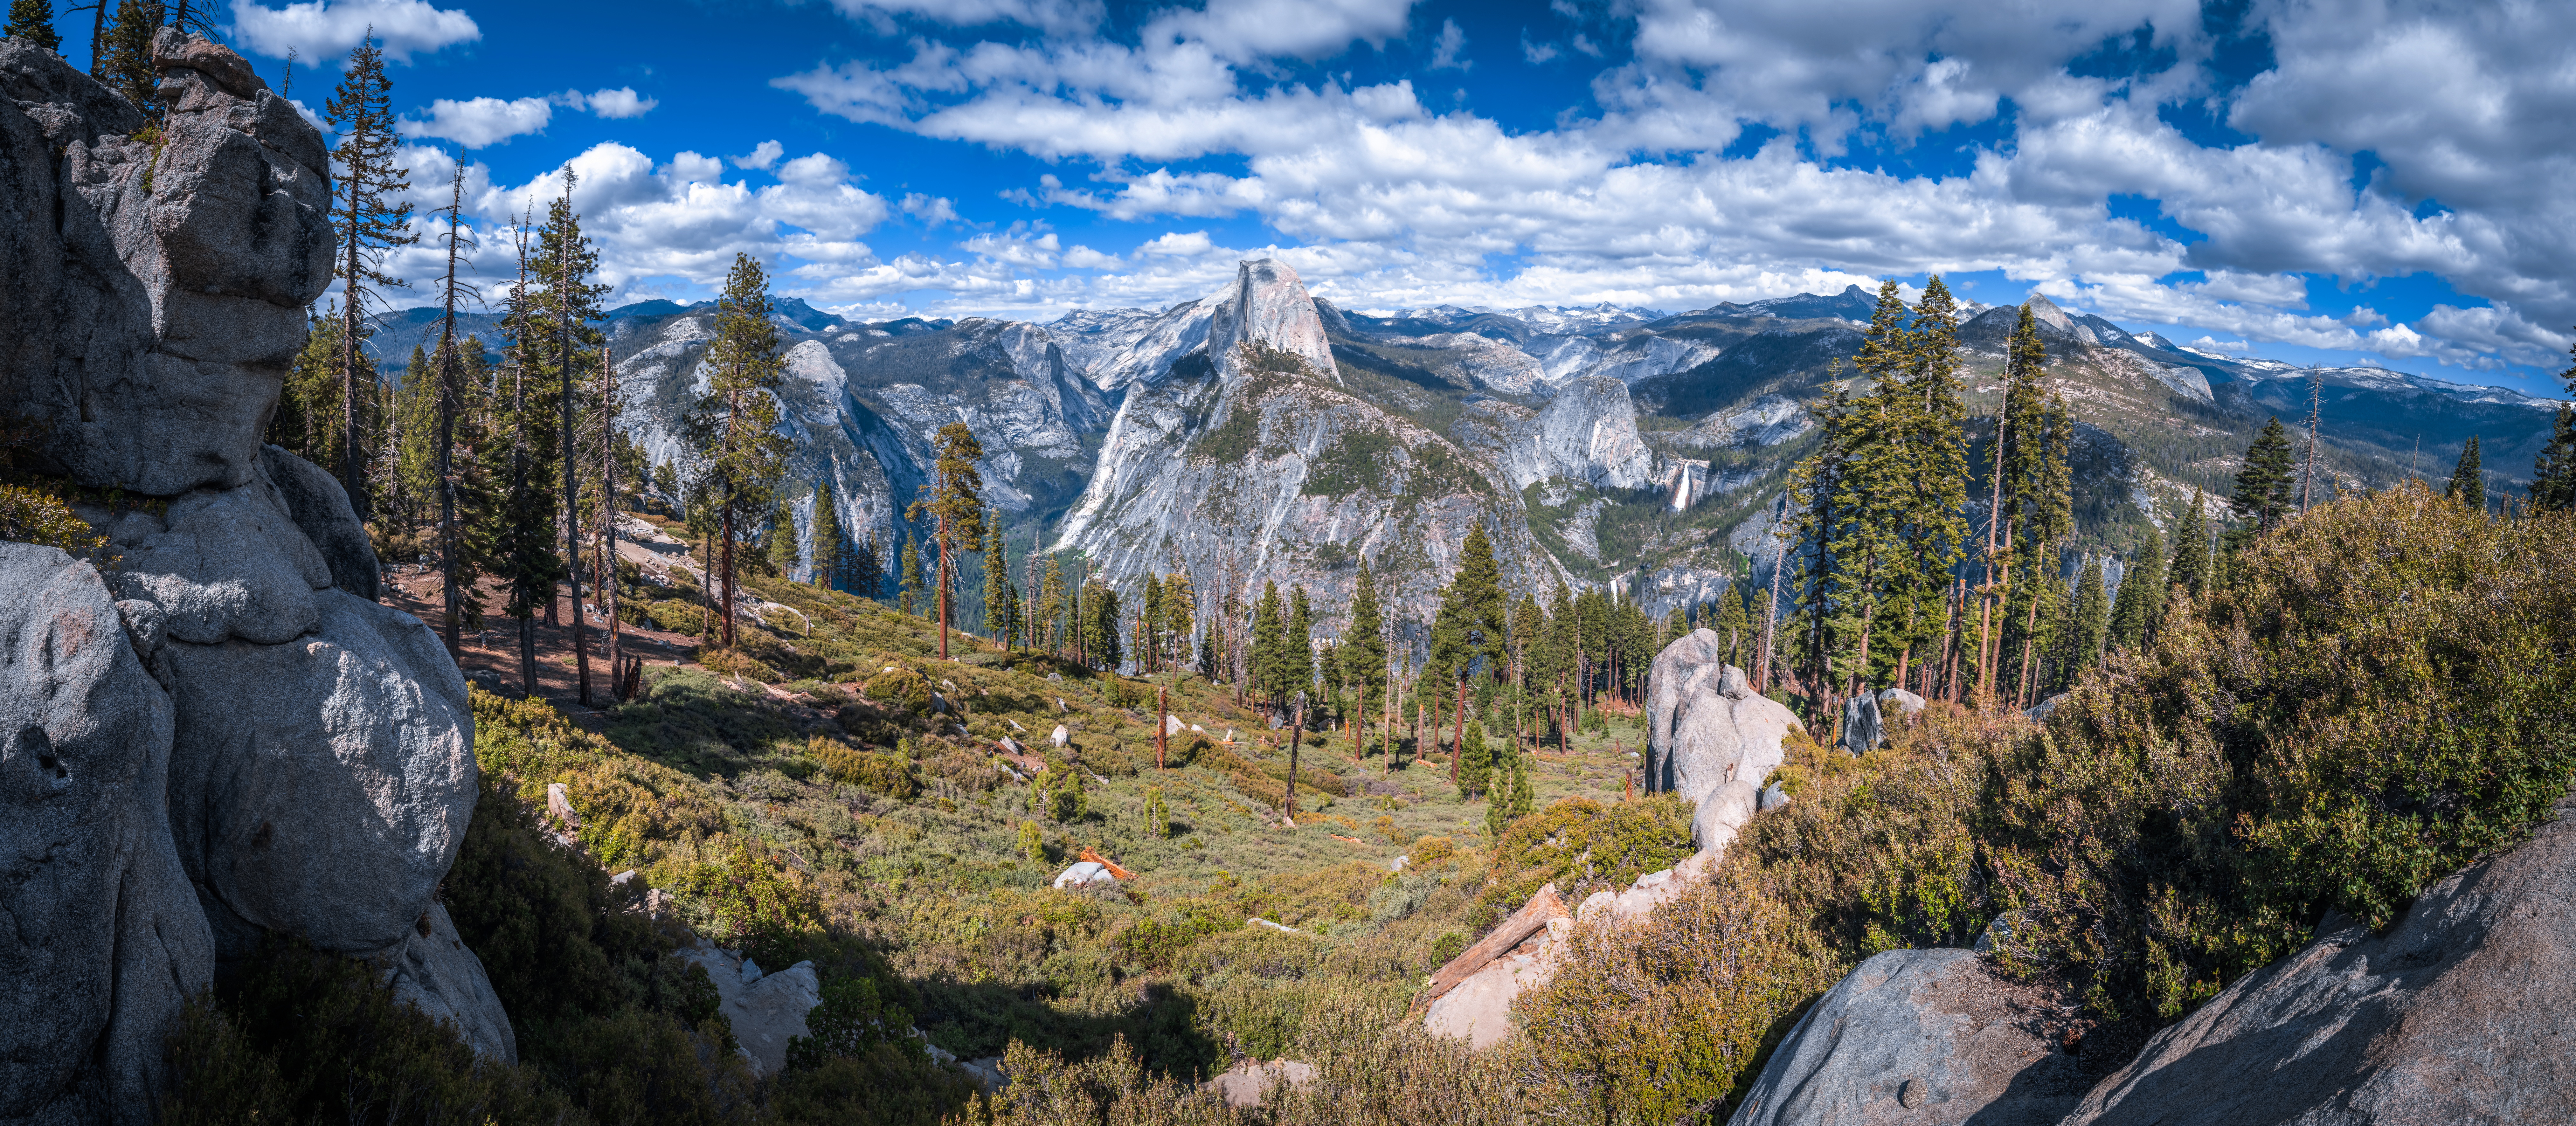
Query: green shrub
x=902 y=691
x=886 y=774
x=853 y=1016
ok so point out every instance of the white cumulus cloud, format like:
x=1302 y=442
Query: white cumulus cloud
x=324 y=29
x=477 y=122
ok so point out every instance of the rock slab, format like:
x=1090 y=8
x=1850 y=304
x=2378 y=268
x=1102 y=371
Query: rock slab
x=1915 y=1036
x=2463 y=1012
x=765 y=1010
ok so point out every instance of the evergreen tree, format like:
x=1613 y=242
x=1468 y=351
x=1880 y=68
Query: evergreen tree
x=2191 y=547
x=2468 y=482
x=784 y=551
x=1158 y=818
x=955 y=505
x=1269 y=642
x=1051 y=598
x=829 y=553
x=364 y=179
x=2553 y=473
x=2141 y=597
x=1477 y=594
x=1180 y=616
x=33 y=21
x=127 y=65
x=2264 y=487
x=568 y=307
x=733 y=427
x=1734 y=627
x=913 y=581
x=1099 y=609
x=1364 y=643
x=2092 y=615
x=529 y=566
x=1001 y=612
x=1523 y=801
x=1149 y=622
x=1032 y=842
x=1475 y=763
x=465 y=501
x=1297 y=649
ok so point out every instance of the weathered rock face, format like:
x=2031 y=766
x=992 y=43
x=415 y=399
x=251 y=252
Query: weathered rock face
x=1269 y=307
x=1917 y=1036
x=1285 y=476
x=227 y=734
x=156 y=294
x=105 y=941
x=321 y=787
x=2464 y=1012
x=1711 y=739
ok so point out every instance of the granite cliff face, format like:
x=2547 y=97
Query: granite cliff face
x=222 y=734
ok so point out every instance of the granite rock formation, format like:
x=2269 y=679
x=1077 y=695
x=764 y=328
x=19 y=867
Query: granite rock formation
x=1711 y=738
x=224 y=734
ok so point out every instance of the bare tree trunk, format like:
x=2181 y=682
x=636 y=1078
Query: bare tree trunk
x=1458 y=734
x=1162 y=722
x=724 y=547
x=608 y=523
x=1296 y=740
x=943 y=592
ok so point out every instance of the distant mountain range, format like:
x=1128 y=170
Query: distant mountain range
x=1597 y=445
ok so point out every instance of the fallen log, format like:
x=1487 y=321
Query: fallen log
x=1529 y=920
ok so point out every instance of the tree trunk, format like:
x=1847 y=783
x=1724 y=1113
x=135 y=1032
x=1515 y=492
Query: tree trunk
x=528 y=657
x=1296 y=739
x=724 y=547
x=1162 y=722
x=943 y=590
x=1458 y=736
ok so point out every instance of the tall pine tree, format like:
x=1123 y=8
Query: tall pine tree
x=2553 y=473
x=2141 y=597
x=371 y=218
x=2468 y=479
x=733 y=427
x=2265 y=486
x=828 y=550
x=2190 y=568
x=955 y=507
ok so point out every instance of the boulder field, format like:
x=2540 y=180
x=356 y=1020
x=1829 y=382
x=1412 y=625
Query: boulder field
x=222 y=734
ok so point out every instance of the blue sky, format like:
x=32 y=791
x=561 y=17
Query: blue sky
x=2324 y=181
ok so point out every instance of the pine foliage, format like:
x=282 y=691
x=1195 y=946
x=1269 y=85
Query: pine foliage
x=33 y=21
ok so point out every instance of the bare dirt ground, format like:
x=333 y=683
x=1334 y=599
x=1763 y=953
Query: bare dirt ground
x=495 y=648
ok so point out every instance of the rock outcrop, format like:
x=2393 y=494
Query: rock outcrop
x=155 y=293
x=225 y=734
x=2465 y=1011
x=1471 y=997
x=765 y=1010
x=105 y=940
x=1917 y=1036
x=1711 y=738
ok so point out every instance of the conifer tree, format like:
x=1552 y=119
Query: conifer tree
x=1477 y=590
x=1475 y=763
x=1269 y=638
x=33 y=21
x=2191 y=547
x=1158 y=818
x=2021 y=453
x=2092 y=616
x=1149 y=622
x=1931 y=527
x=127 y=65
x=1524 y=801
x=955 y=506
x=2264 y=487
x=1734 y=627
x=371 y=218
x=1100 y=613
x=829 y=555
x=1180 y=614
x=2553 y=473
x=525 y=546
x=1816 y=493
x=2468 y=482
x=1297 y=643
x=1046 y=629
x=2142 y=595
x=910 y=592
x=462 y=497
x=999 y=619
x=784 y=551
x=733 y=428
x=569 y=303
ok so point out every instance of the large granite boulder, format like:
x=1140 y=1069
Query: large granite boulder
x=322 y=786
x=1711 y=738
x=2465 y=1011
x=317 y=504
x=1863 y=728
x=1918 y=1036
x=152 y=296
x=223 y=564
x=104 y=941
